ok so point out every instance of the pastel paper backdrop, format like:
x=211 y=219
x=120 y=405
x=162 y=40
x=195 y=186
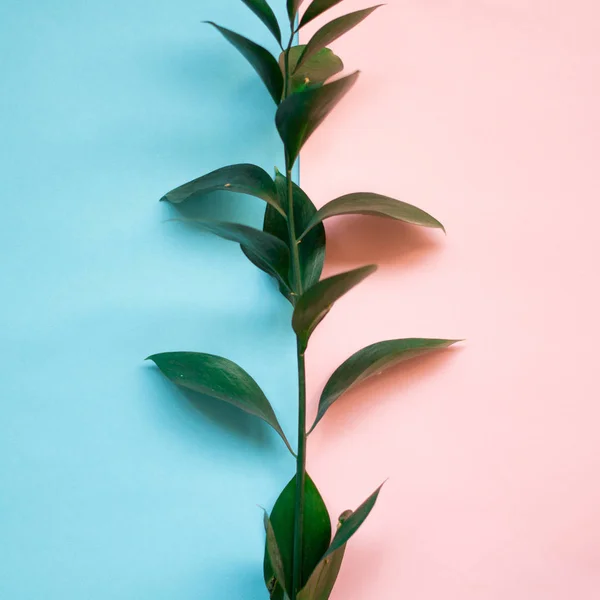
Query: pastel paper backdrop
x=112 y=485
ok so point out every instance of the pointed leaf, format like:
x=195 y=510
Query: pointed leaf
x=316 y=9
x=317 y=301
x=292 y=8
x=373 y=360
x=315 y=71
x=270 y=253
x=265 y=13
x=366 y=203
x=273 y=553
x=242 y=179
x=218 y=378
x=333 y=30
x=320 y=583
x=316 y=534
x=299 y=115
x=264 y=63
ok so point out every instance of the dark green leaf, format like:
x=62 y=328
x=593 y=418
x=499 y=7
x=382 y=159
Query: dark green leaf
x=316 y=534
x=366 y=203
x=320 y=583
x=316 y=9
x=317 y=301
x=270 y=253
x=265 y=13
x=372 y=360
x=292 y=8
x=299 y=115
x=332 y=31
x=242 y=179
x=273 y=553
x=315 y=71
x=219 y=378
x=264 y=63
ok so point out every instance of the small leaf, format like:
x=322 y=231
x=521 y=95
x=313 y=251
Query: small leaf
x=317 y=301
x=292 y=8
x=373 y=360
x=299 y=115
x=270 y=253
x=320 y=583
x=264 y=63
x=265 y=13
x=273 y=553
x=333 y=30
x=316 y=9
x=316 y=534
x=242 y=179
x=376 y=205
x=315 y=71
x=218 y=378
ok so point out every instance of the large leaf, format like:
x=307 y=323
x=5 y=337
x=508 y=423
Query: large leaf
x=315 y=9
x=320 y=583
x=269 y=252
x=273 y=553
x=265 y=13
x=264 y=63
x=332 y=31
x=317 y=301
x=299 y=115
x=366 y=203
x=292 y=8
x=316 y=532
x=315 y=71
x=218 y=378
x=373 y=360
x=242 y=179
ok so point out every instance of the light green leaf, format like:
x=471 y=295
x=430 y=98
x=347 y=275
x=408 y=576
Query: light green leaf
x=332 y=31
x=317 y=301
x=315 y=71
x=366 y=203
x=264 y=63
x=315 y=9
x=316 y=534
x=373 y=360
x=241 y=179
x=299 y=115
x=270 y=253
x=265 y=13
x=218 y=378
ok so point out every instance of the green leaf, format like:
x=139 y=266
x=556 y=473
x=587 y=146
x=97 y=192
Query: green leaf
x=333 y=30
x=218 y=378
x=373 y=360
x=264 y=63
x=315 y=71
x=265 y=13
x=241 y=179
x=316 y=532
x=299 y=115
x=292 y=8
x=269 y=252
x=317 y=301
x=366 y=203
x=273 y=553
x=320 y=583
x=316 y=9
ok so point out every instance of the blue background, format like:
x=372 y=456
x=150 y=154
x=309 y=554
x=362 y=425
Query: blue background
x=112 y=483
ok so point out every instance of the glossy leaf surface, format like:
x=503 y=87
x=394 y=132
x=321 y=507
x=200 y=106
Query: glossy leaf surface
x=316 y=9
x=270 y=253
x=265 y=13
x=300 y=115
x=333 y=30
x=264 y=63
x=373 y=360
x=218 y=378
x=316 y=531
x=317 y=301
x=242 y=179
x=315 y=71
x=376 y=205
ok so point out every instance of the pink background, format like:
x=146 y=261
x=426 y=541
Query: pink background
x=485 y=113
